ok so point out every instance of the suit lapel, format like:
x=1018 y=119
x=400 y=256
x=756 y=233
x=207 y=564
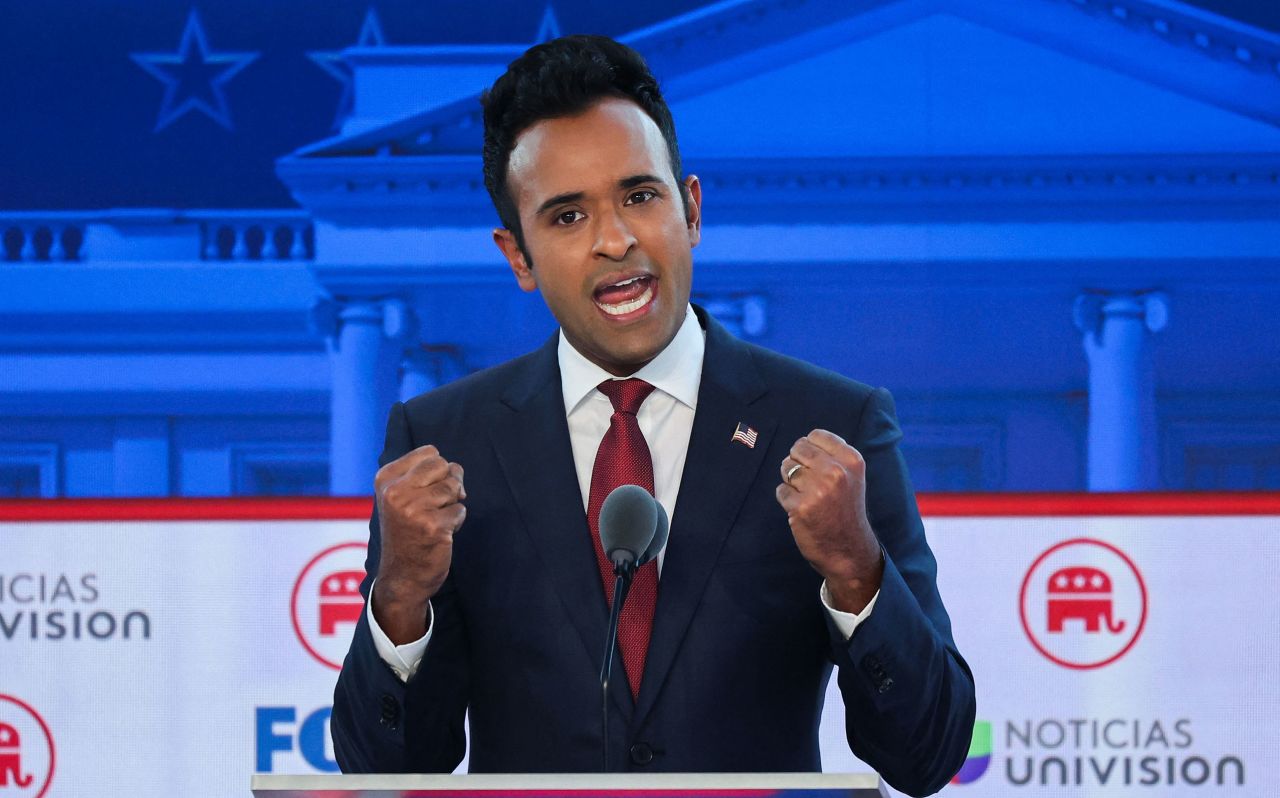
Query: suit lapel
x=531 y=437
x=717 y=474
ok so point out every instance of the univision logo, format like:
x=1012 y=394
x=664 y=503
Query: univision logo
x=979 y=758
x=1102 y=752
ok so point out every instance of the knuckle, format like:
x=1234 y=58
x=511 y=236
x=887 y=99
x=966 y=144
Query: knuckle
x=411 y=516
x=439 y=494
x=434 y=524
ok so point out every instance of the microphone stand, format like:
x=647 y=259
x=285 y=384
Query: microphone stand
x=623 y=571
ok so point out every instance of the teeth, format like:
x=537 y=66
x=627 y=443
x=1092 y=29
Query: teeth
x=627 y=307
x=625 y=282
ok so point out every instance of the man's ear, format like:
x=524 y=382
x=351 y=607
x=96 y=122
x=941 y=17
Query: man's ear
x=520 y=266
x=693 y=209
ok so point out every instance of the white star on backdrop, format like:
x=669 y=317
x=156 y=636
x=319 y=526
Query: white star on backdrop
x=336 y=68
x=194 y=77
x=550 y=26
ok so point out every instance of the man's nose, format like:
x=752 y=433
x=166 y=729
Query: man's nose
x=614 y=238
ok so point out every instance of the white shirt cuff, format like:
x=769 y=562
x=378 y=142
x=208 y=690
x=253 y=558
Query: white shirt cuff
x=404 y=659
x=846 y=622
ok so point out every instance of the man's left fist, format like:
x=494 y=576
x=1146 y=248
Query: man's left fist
x=826 y=503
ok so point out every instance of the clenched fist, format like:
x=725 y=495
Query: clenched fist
x=825 y=500
x=420 y=506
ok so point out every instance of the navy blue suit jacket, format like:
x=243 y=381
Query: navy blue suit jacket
x=742 y=648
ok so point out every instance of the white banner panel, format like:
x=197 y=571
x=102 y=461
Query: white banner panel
x=172 y=658
x=1113 y=655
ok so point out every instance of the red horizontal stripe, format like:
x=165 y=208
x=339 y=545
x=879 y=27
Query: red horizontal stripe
x=935 y=505
x=239 y=509
x=1097 y=504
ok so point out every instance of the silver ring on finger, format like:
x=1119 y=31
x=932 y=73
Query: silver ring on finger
x=791 y=472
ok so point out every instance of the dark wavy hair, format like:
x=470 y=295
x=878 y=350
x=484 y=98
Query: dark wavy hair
x=559 y=78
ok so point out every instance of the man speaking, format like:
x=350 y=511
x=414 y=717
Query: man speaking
x=795 y=542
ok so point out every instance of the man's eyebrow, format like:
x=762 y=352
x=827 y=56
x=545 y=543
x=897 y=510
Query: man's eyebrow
x=575 y=196
x=559 y=199
x=636 y=180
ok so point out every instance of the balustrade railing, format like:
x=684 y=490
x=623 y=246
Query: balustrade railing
x=41 y=237
x=250 y=235
x=212 y=235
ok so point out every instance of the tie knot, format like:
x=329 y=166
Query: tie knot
x=626 y=395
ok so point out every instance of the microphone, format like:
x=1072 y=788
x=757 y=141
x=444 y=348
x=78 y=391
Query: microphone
x=659 y=536
x=629 y=521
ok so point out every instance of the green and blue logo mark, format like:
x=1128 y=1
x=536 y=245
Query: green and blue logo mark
x=979 y=758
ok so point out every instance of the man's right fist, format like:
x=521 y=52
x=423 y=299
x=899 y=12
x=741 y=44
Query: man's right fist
x=419 y=498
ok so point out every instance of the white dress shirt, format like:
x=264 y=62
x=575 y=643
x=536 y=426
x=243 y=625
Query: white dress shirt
x=666 y=420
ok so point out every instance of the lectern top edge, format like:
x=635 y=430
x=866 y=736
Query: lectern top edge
x=577 y=785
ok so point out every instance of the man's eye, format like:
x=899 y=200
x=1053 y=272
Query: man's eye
x=569 y=217
x=640 y=197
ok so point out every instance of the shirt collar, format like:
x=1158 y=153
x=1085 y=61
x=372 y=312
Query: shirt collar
x=676 y=371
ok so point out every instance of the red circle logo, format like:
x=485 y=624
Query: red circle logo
x=1083 y=604
x=27 y=754
x=326 y=602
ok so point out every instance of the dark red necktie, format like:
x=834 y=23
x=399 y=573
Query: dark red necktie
x=623 y=458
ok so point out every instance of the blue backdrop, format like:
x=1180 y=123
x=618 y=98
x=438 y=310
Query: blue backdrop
x=231 y=234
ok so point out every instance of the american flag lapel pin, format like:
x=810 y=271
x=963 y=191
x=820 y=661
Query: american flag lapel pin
x=745 y=435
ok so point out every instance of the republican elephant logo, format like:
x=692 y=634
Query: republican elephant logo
x=1083 y=603
x=27 y=753
x=11 y=758
x=326 y=603
x=1081 y=593
x=340 y=600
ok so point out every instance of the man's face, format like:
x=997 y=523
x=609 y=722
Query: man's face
x=606 y=235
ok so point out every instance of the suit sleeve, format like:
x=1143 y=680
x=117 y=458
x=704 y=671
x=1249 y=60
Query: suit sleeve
x=383 y=725
x=908 y=694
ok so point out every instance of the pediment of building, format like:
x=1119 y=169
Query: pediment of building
x=909 y=92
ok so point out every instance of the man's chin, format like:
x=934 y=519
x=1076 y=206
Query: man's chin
x=623 y=349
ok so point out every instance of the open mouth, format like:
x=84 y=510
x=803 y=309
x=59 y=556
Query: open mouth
x=626 y=296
